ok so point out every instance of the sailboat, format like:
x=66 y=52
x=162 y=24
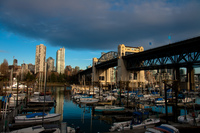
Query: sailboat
x=39 y=117
x=108 y=108
x=38 y=129
x=189 y=118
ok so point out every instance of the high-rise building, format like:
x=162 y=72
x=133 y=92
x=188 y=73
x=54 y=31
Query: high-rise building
x=50 y=64
x=60 y=60
x=40 y=58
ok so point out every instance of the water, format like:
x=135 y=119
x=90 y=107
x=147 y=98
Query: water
x=76 y=115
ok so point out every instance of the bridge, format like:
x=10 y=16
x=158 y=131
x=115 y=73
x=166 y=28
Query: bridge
x=130 y=62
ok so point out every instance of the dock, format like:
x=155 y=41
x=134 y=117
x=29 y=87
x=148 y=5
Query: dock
x=36 y=109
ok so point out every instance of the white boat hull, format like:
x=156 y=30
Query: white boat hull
x=108 y=108
x=36 y=129
x=47 y=118
x=88 y=100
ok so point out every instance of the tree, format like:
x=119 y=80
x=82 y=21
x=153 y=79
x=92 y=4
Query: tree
x=53 y=77
x=4 y=68
x=29 y=77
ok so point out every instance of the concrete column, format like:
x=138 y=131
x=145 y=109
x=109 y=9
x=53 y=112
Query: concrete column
x=95 y=75
x=79 y=78
x=176 y=89
x=190 y=76
x=122 y=73
x=176 y=76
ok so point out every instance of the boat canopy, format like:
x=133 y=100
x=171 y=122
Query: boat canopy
x=140 y=95
x=35 y=114
x=154 y=93
x=5 y=98
x=159 y=99
x=137 y=113
x=166 y=128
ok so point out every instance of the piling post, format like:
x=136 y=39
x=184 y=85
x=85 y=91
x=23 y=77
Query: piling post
x=127 y=92
x=120 y=87
x=5 y=87
x=27 y=94
x=176 y=100
x=1 y=88
x=17 y=92
x=99 y=89
x=176 y=87
x=166 y=111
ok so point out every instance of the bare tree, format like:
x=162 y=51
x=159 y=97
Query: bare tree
x=4 y=68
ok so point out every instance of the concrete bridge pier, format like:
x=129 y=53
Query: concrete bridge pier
x=190 y=78
x=135 y=78
x=103 y=76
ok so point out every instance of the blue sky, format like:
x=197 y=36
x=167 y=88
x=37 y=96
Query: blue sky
x=88 y=27
x=23 y=49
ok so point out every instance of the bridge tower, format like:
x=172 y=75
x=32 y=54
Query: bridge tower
x=133 y=78
x=103 y=75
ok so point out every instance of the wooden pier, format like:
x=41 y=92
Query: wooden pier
x=36 y=109
x=4 y=124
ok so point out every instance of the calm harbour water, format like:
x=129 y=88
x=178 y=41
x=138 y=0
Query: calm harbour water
x=76 y=115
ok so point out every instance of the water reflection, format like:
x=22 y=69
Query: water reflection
x=77 y=115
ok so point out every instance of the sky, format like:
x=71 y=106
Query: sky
x=85 y=28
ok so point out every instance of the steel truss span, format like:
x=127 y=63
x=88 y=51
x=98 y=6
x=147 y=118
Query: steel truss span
x=108 y=56
x=181 y=54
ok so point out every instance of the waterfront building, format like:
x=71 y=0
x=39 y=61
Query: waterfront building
x=15 y=62
x=24 y=66
x=50 y=64
x=60 y=61
x=112 y=75
x=40 y=58
x=23 y=71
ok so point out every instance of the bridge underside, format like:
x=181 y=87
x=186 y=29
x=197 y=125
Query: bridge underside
x=180 y=54
x=107 y=64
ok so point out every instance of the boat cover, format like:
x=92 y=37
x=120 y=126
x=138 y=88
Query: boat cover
x=166 y=128
x=35 y=114
x=5 y=98
x=159 y=99
x=154 y=93
x=137 y=113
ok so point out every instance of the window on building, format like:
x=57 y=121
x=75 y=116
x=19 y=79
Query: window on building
x=101 y=77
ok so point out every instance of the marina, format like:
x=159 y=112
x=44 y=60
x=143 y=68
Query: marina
x=123 y=91
x=86 y=117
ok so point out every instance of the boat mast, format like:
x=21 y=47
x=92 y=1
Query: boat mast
x=45 y=81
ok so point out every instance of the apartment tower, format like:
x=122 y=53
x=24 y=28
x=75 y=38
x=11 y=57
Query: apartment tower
x=60 y=61
x=40 y=58
x=50 y=64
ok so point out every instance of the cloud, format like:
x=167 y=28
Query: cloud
x=2 y=51
x=101 y=24
x=87 y=59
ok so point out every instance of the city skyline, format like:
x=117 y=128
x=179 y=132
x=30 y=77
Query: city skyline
x=86 y=31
